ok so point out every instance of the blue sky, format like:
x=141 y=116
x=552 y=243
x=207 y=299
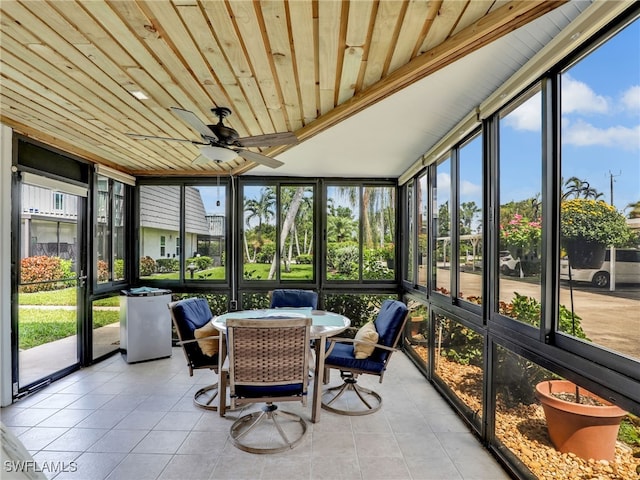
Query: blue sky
x=600 y=123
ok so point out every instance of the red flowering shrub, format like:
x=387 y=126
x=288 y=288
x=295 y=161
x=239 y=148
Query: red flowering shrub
x=103 y=271
x=40 y=269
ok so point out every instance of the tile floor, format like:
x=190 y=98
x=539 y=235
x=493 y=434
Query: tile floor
x=121 y=421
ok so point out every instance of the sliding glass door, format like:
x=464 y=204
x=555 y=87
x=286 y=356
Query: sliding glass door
x=51 y=281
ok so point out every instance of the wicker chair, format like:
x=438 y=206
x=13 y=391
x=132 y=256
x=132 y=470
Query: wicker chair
x=191 y=316
x=267 y=362
x=341 y=355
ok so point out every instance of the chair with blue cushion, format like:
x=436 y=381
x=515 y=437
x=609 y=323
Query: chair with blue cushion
x=294 y=298
x=368 y=353
x=267 y=362
x=199 y=341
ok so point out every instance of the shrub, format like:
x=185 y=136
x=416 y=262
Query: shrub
x=40 y=269
x=167 y=265
x=67 y=272
x=103 y=271
x=593 y=221
x=346 y=260
x=147 y=266
x=118 y=269
x=266 y=253
x=304 y=259
x=202 y=262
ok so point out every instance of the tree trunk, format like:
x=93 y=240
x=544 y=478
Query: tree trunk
x=286 y=227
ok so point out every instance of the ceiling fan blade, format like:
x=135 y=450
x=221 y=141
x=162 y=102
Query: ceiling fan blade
x=268 y=140
x=138 y=136
x=194 y=122
x=259 y=158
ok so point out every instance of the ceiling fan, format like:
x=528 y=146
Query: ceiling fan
x=220 y=143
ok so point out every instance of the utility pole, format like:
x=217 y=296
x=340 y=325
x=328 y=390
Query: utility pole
x=611 y=180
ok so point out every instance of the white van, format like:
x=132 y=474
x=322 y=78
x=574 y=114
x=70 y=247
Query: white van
x=627 y=269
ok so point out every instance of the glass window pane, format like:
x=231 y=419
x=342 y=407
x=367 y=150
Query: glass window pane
x=105 y=314
x=416 y=338
x=379 y=233
x=296 y=232
x=410 y=239
x=119 y=222
x=259 y=239
x=520 y=166
x=423 y=225
x=343 y=232
x=205 y=223
x=600 y=196
x=159 y=231
x=470 y=208
x=459 y=363
x=442 y=227
x=103 y=230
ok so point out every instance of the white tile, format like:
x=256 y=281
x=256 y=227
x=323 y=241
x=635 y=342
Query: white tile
x=123 y=441
x=178 y=421
x=76 y=439
x=161 y=441
x=376 y=445
x=335 y=468
x=91 y=400
x=198 y=443
x=189 y=467
x=65 y=418
x=384 y=468
x=92 y=466
x=140 y=467
x=229 y=468
x=37 y=438
x=102 y=419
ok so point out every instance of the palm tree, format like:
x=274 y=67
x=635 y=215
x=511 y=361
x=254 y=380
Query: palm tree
x=261 y=209
x=635 y=210
x=468 y=211
x=577 y=188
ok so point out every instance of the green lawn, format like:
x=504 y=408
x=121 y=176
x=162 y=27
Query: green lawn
x=260 y=271
x=65 y=296
x=39 y=326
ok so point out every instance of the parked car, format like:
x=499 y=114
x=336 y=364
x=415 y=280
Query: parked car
x=627 y=269
x=508 y=264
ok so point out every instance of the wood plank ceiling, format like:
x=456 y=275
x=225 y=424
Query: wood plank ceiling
x=68 y=67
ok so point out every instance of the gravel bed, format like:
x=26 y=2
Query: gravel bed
x=523 y=430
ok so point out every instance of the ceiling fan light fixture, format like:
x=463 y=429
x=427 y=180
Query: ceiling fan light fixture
x=218 y=153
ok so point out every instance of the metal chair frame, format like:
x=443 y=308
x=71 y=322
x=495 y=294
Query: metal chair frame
x=267 y=362
x=206 y=396
x=371 y=400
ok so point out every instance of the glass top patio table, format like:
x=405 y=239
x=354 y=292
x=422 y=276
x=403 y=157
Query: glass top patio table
x=323 y=324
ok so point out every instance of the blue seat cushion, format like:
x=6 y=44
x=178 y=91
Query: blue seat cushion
x=293 y=298
x=191 y=314
x=257 y=391
x=342 y=355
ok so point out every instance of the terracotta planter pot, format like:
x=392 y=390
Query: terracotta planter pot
x=415 y=324
x=588 y=431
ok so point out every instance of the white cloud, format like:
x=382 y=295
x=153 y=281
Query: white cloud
x=470 y=189
x=578 y=97
x=444 y=187
x=631 y=98
x=527 y=116
x=583 y=134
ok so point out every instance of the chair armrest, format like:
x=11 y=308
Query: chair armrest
x=184 y=342
x=334 y=340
